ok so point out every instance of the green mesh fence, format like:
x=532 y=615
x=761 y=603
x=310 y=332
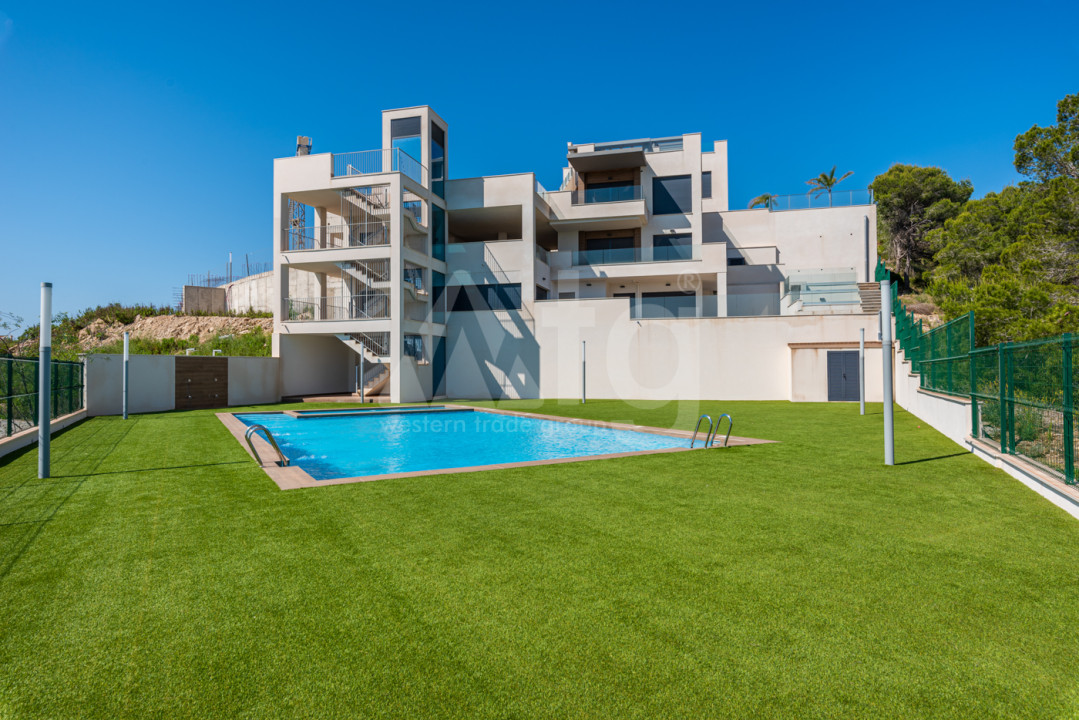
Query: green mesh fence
x=1025 y=406
x=938 y=356
x=18 y=392
x=944 y=357
x=1022 y=393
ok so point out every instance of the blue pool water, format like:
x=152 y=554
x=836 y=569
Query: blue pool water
x=354 y=445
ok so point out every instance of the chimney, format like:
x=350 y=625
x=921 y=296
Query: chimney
x=303 y=145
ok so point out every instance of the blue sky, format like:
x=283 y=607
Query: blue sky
x=138 y=138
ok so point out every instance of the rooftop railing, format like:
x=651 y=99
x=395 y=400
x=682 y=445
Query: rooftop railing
x=372 y=162
x=326 y=237
x=648 y=145
x=815 y=200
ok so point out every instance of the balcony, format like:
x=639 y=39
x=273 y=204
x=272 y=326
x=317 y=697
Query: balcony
x=625 y=256
x=589 y=196
x=619 y=155
x=374 y=305
x=600 y=209
x=373 y=162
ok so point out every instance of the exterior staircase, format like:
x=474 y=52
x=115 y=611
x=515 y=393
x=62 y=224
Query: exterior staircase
x=374 y=348
x=869 y=295
x=370 y=273
x=375 y=380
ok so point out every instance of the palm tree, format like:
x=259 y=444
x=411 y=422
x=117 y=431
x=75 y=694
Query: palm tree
x=767 y=200
x=825 y=182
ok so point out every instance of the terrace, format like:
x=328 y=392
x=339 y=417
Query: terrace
x=160 y=571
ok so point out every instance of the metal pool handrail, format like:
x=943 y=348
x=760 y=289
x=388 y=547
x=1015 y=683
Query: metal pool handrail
x=269 y=437
x=697 y=429
x=730 y=425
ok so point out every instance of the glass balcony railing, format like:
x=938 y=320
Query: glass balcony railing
x=823 y=286
x=651 y=145
x=620 y=256
x=672 y=253
x=814 y=200
x=622 y=193
x=609 y=256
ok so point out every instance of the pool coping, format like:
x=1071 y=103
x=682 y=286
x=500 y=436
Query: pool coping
x=293 y=477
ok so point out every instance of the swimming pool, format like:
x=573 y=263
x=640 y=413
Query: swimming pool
x=360 y=443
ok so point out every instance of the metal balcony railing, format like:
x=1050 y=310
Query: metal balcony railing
x=325 y=237
x=373 y=305
x=372 y=162
x=377 y=343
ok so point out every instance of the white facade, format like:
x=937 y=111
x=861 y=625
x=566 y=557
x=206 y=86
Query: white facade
x=486 y=287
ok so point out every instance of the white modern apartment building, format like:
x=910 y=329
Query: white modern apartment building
x=494 y=287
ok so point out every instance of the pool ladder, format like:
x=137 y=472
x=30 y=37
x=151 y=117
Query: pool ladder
x=269 y=437
x=713 y=430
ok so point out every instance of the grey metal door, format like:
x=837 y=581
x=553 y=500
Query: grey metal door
x=842 y=375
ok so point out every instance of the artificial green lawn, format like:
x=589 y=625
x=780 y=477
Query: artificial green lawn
x=160 y=573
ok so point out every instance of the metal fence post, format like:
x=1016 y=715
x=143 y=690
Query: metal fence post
x=861 y=370
x=886 y=355
x=1010 y=398
x=948 y=350
x=44 y=384
x=57 y=381
x=1069 y=413
x=584 y=376
x=1003 y=422
x=974 y=431
x=127 y=365
x=10 y=391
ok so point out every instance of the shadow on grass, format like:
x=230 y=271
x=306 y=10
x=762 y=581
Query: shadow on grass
x=931 y=459
x=148 y=469
x=26 y=508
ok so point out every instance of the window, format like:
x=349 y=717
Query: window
x=438 y=297
x=438 y=232
x=542 y=293
x=706 y=184
x=736 y=261
x=608 y=250
x=672 y=195
x=405 y=136
x=438 y=161
x=570 y=295
x=668 y=304
x=412 y=346
x=672 y=247
x=438 y=380
x=466 y=298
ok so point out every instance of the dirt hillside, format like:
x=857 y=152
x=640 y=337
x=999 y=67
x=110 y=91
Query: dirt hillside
x=160 y=327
